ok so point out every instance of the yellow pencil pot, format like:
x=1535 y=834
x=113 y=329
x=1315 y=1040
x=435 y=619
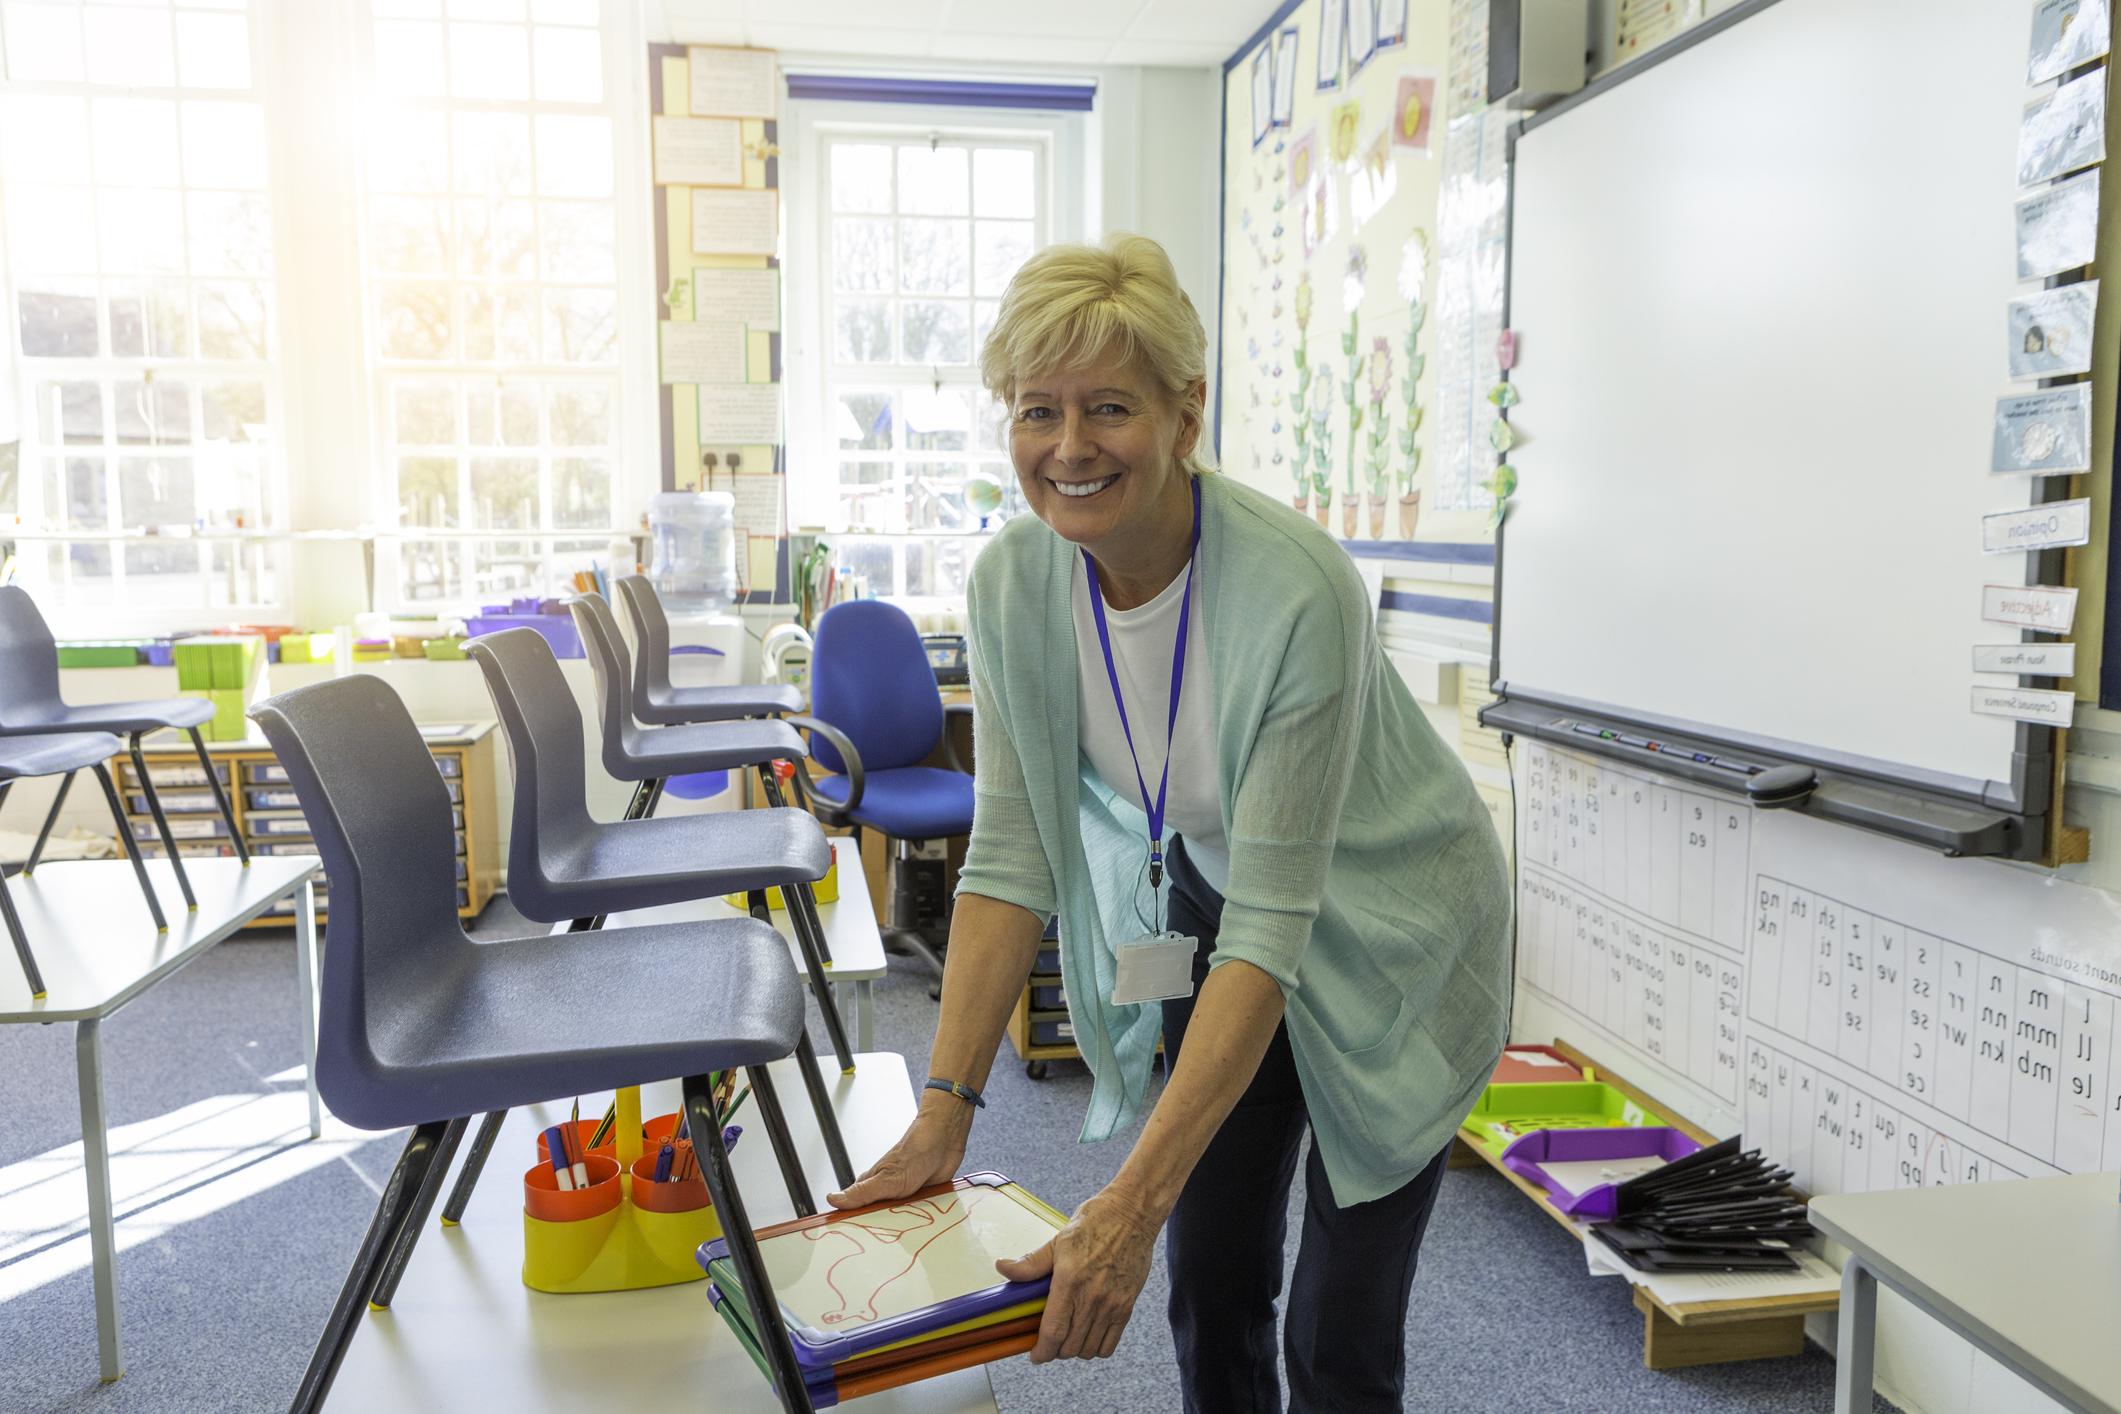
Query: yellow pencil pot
x=827 y=890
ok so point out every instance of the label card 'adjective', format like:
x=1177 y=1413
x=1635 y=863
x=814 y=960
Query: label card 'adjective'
x=2034 y=606
x=2057 y=523
x=2033 y=660
x=2026 y=704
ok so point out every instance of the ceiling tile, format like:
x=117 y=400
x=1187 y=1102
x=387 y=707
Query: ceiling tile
x=1093 y=22
x=1172 y=53
x=951 y=43
x=909 y=43
x=1220 y=24
x=922 y=15
x=704 y=21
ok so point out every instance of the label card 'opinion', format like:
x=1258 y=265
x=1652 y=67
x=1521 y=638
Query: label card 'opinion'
x=2045 y=527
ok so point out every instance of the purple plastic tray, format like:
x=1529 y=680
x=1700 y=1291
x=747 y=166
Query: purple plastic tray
x=1542 y=1146
x=559 y=631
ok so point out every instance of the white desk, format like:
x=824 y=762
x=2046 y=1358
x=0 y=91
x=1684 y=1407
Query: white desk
x=98 y=949
x=2029 y=1270
x=464 y=1333
x=850 y=933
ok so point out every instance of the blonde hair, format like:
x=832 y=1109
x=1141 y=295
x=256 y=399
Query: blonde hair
x=1072 y=303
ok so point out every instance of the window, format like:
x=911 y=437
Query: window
x=135 y=193
x=920 y=235
x=490 y=250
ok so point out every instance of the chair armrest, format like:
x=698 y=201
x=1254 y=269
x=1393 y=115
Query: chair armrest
x=849 y=757
x=954 y=709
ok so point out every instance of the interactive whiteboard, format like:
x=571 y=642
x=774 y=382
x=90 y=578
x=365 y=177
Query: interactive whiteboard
x=1760 y=292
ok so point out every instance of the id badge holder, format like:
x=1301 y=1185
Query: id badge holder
x=1156 y=967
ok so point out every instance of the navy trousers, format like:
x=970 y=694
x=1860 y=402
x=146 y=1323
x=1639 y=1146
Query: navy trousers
x=1343 y=1332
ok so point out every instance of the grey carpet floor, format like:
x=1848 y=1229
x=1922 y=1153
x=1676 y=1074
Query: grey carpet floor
x=228 y=1279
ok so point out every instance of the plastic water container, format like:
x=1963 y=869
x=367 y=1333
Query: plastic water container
x=693 y=560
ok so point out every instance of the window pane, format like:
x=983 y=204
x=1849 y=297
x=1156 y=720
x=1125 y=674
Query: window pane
x=865 y=473
x=224 y=145
x=213 y=51
x=143 y=231
x=78 y=497
x=581 y=326
x=232 y=320
x=492 y=153
x=127 y=48
x=53 y=230
x=984 y=313
x=861 y=331
x=863 y=421
x=1003 y=182
x=410 y=59
x=431 y=570
x=409 y=151
x=409 y=235
x=935 y=496
x=861 y=177
x=506 y=415
x=870 y=559
x=86 y=572
x=155 y=491
x=154 y=413
x=933 y=181
x=231 y=492
x=150 y=321
x=938 y=419
x=992 y=421
x=581 y=492
x=862 y=255
x=569 y=65
x=58 y=319
x=500 y=324
x=68 y=412
x=427 y=492
x=564 y=12
x=574 y=156
x=414 y=320
x=231 y=233
x=938 y=567
x=423 y=414
x=234 y=411
x=577 y=242
x=1002 y=246
x=489 y=61
x=486 y=9
x=504 y=493
x=581 y=414
x=44 y=139
x=136 y=141
x=934 y=332
x=496 y=238
x=936 y=257
x=168 y=573
x=43 y=43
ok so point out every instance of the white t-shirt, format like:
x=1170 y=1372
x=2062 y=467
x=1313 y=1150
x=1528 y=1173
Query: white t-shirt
x=1142 y=641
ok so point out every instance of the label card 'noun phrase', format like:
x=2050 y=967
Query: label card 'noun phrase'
x=2035 y=606
x=2026 y=704
x=2037 y=528
x=2033 y=660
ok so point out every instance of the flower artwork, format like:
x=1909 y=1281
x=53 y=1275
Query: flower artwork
x=1413 y=282
x=1301 y=420
x=1342 y=127
x=1379 y=449
x=1352 y=286
x=1322 y=444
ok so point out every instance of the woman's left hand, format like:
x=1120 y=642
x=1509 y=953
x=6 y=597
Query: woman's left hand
x=1098 y=1263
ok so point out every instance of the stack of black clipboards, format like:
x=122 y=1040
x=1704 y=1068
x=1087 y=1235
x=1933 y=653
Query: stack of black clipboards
x=1716 y=1210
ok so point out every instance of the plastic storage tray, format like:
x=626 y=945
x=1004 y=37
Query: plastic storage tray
x=1506 y=1113
x=1535 y=1065
x=1593 y=1202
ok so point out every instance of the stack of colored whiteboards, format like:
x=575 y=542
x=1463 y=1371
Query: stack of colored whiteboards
x=883 y=1296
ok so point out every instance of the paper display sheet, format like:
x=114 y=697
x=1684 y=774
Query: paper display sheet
x=731 y=83
x=740 y=415
x=735 y=222
x=698 y=152
x=1888 y=1017
x=751 y=298
x=703 y=352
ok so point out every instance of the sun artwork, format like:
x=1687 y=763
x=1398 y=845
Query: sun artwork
x=1410 y=115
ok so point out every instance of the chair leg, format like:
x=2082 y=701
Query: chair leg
x=655 y=798
x=51 y=818
x=765 y=1310
x=775 y=1119
x=828 y=1122
x=213 y=779
x=130 y=845
x=154 y=808
x=422 y=1204
x=28 y=959
x=399 y=1194
x=474 y=1161
x=772 y=790
x=810 y=936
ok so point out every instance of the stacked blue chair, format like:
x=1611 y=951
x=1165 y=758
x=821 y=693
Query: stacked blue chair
x=872 y=685
x=422 y=1027
x=659 y=703
x=27 y=757
x=30 y=705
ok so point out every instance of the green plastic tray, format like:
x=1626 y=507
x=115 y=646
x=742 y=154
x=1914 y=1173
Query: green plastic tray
x=99 y=655
x=1506 y=1113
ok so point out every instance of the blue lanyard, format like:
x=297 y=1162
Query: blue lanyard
x=1155 y=811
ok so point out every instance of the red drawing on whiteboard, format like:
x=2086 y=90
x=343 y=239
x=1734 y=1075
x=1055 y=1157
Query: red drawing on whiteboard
x=884 y=1246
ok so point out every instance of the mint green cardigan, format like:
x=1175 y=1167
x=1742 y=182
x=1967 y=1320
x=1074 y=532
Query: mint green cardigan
x=1365 y=877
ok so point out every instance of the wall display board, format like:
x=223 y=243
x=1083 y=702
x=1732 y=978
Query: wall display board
x=718 y=278
x=1780 y=392
x=1872 y=1014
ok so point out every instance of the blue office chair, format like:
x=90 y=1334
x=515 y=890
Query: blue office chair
x=27 y=757
x=421 y=1026
x=875 y=715
x=30 y=705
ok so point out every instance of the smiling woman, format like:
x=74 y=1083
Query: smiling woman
x=1321 y=948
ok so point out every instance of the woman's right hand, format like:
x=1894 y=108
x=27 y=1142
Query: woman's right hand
x=928 y=1153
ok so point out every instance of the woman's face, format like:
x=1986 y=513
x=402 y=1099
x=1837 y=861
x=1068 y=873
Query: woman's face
x=1098 y=447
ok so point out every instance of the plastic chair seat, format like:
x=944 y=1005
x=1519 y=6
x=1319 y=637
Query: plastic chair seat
x=719 y=746
x=519 y=1021
x=908 y=803
x=663 y=860
x=679 y=706
x=120 y=717
x=23 y=757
